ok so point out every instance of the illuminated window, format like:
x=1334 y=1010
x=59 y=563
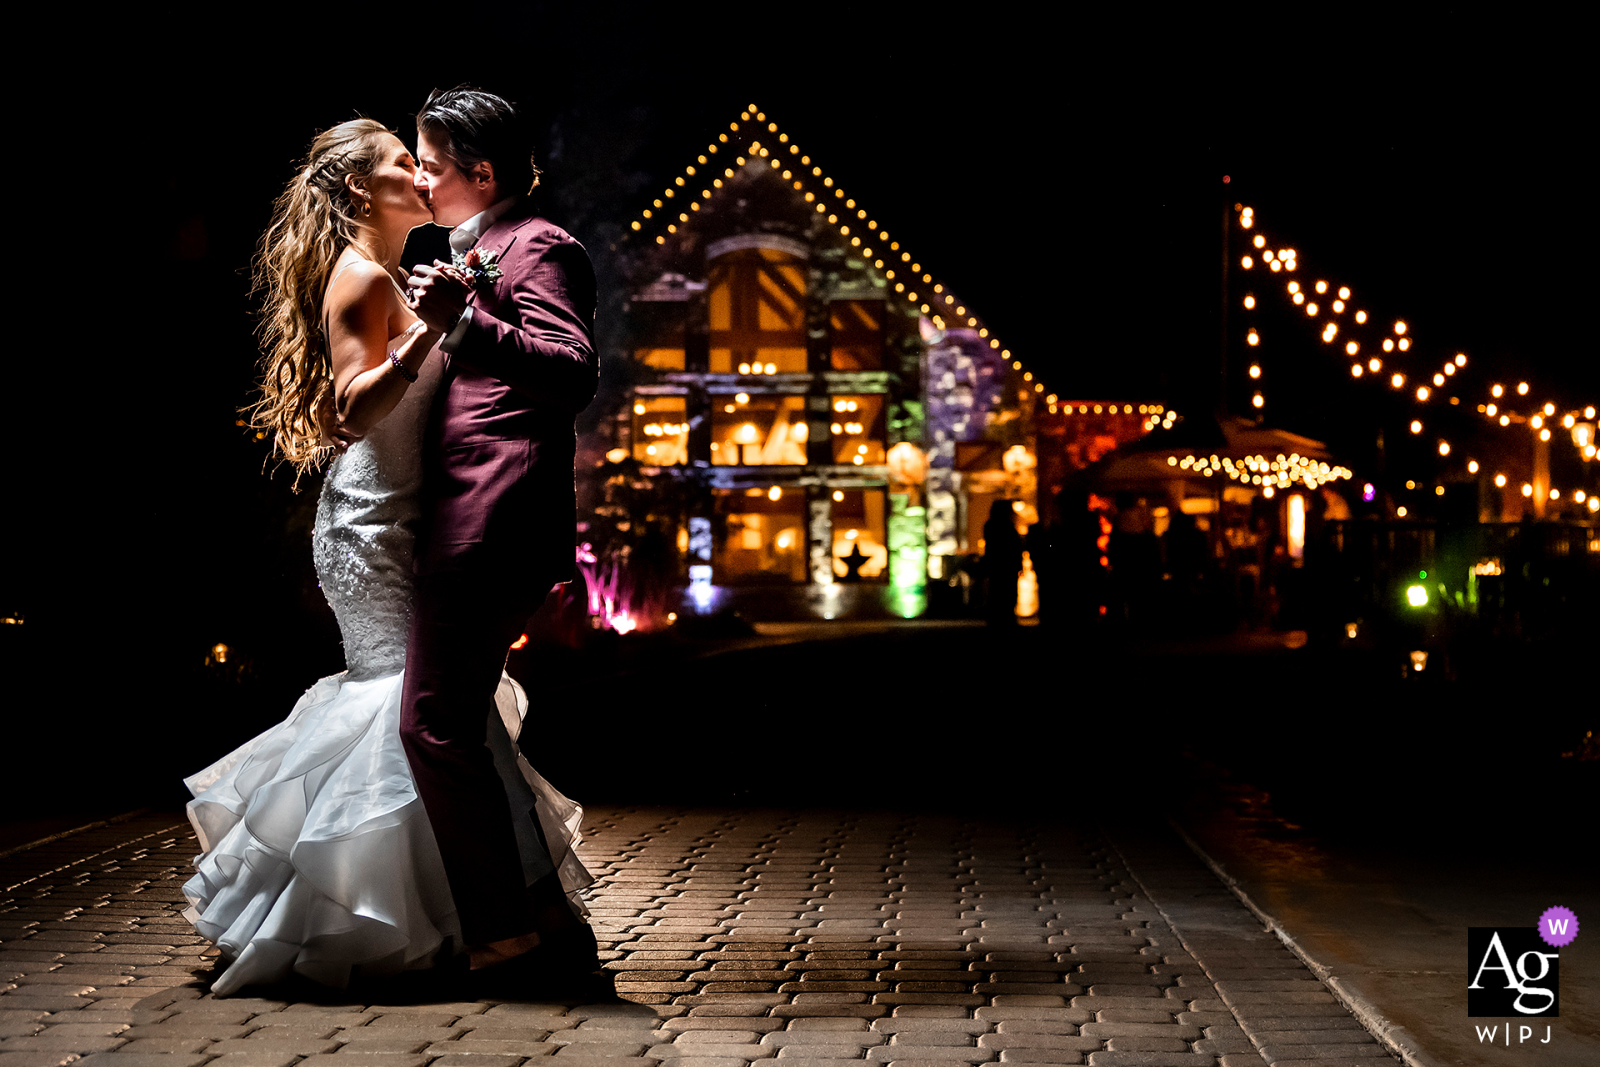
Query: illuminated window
x=757 y=306
x=759 y=540
x=858 y=424
x=859 y=548
x=660 y=358
x=660 y=430
x=758 y=431
x=857 y=334
x=658 y=334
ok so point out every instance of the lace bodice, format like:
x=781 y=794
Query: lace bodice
x=366 y=529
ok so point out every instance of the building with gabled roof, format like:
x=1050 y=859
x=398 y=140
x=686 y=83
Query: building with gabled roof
x=813 y=422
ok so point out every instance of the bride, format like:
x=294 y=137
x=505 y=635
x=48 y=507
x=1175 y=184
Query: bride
x=317 y=855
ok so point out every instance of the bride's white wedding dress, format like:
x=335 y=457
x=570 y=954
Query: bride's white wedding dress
x=318 y=858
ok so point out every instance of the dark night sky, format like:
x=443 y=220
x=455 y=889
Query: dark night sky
x=1062 y=175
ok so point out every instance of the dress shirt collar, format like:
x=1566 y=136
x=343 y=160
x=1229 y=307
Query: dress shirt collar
x=466 y=235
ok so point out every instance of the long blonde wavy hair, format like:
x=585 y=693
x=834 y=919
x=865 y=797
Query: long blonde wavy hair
x=313 y=221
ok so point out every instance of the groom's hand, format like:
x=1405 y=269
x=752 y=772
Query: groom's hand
x=438 y=295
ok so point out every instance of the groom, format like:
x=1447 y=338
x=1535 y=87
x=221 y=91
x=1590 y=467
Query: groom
x=498 y=507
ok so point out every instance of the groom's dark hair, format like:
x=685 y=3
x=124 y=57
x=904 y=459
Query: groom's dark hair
x=478 y=126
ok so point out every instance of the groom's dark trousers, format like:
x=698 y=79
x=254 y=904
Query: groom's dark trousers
x=497 y=531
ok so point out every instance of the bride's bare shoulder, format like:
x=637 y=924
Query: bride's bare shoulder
x=360 y=288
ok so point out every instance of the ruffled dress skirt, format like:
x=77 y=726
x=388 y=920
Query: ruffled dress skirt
x=318 y=857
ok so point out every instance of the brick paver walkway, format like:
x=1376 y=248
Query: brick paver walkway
x=809 y=937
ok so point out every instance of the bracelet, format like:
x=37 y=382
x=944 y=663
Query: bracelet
x=401 y=367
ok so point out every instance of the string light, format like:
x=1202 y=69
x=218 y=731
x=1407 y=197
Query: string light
x=1399 y=339
x=759 y=127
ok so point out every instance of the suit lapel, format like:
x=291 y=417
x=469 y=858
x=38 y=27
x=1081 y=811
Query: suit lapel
x=499 y=238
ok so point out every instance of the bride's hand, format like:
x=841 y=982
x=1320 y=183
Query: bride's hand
x=334 y=433
x=438 y=294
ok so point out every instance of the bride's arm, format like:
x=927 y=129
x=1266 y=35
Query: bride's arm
x=366 y=382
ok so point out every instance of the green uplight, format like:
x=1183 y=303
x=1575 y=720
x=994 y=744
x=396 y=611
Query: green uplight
x=908 y=556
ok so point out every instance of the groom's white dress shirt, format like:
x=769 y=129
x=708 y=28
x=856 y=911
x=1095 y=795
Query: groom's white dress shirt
x=462 y=239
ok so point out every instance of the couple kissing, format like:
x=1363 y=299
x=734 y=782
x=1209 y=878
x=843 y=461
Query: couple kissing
x=392 y=823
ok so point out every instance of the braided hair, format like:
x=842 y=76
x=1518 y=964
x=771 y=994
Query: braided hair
x=313 y=221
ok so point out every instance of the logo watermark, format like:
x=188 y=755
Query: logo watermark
x=1558 y=926
x=1513 y=973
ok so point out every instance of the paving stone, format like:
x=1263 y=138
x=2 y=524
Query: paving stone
x=314 y=1020
x=181 y=1027
x=745 y=1024
x=1173 y=1030
x=1147 y=1044
x=966 y=1000
x=722 y=1037
x=198 y=1013
x=600 y=1054
x=1040 y=1055
x=929 y=1054
x=1283 y=1026
x=1150 y=1059
x=1264 y=1013
x=74 y=1027
x=1036 y=1026
x=399 y=1030
x=25 y=1001
x=942 y=1038
x=738 y=1053
x=274 y=1048
x=487 y=1046
x=36 y=1059
x=1003 y=1013
x=167 y=1045
x=843 y=1039
x=476 y=1060
x=1340 y=1050
x=253 y=1059
x=48 y=1042
x=211 y=1005
x=296 y=1033
x=900 y=1025
x=421 y=1015
x=596 y=1038
x=1235 y=1045
x=148 y=1059
x=366 y=1059
x=1208 y=1005
x=84 y=976
x=1164 y=1013
x=382 y=1042
x=522 y=1014
x=1274 y=997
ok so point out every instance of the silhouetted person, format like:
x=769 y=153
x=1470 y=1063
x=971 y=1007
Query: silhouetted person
x=1002 y=559
x=1135 y=558
x=1042 y=549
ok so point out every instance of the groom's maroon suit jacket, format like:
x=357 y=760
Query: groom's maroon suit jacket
x=497 y=493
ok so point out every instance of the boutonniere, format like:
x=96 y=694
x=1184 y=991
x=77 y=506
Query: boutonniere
x=479 y=267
